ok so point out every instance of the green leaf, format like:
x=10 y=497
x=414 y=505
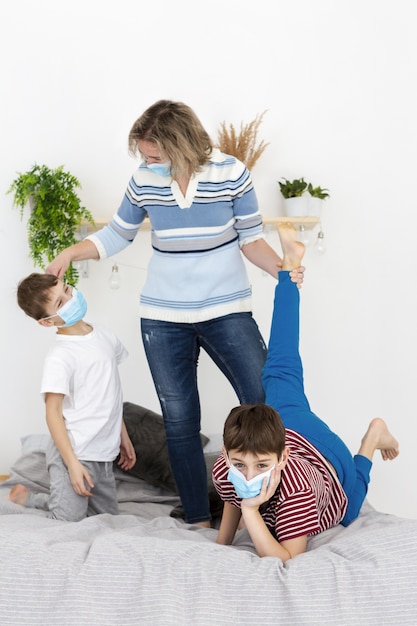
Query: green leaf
x=294 y=188
x=56 y=212
x=318 y=192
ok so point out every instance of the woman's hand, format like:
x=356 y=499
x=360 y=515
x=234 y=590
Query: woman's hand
x=297 y=275
x=59 y=265
x=80 y=251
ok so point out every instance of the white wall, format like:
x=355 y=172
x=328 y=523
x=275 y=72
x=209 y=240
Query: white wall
x=338 y=81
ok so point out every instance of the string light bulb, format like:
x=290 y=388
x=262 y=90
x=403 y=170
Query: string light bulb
x=303 y=235
x=114 y=280
x=320 y=245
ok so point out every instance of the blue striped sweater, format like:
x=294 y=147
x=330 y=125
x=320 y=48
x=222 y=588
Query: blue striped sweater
x=196 y=271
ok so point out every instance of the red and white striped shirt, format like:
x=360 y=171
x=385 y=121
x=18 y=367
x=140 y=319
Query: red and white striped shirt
x=308 y=500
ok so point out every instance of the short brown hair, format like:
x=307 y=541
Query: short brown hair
x=178 y=133
x=254 y=428
x=33 y=294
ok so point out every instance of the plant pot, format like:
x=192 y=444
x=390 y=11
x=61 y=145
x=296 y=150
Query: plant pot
x=314 y=206
x=296 y=207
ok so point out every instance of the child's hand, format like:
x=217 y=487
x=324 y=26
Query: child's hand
x=266 y=491
x=127 y=455
x=80 y=478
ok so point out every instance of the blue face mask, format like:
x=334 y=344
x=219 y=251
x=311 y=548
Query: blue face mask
x=72 y=311
x=247 y=488
x=162 y=169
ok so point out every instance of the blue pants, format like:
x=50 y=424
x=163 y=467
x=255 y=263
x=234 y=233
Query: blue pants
x=235 y=345
x=284 y=390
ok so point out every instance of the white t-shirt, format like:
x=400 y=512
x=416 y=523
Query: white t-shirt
x=85 y=369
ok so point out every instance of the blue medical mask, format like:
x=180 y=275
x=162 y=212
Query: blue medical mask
x=163 y=169
x=73 y=310
x=247 y=488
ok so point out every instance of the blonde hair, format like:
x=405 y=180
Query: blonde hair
x=178 y=134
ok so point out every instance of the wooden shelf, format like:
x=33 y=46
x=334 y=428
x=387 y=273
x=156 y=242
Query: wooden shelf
x=308 y=222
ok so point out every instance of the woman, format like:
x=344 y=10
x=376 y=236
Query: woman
x=203 y=212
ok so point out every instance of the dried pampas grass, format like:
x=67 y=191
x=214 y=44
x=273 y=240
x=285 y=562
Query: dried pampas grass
x=242 y=145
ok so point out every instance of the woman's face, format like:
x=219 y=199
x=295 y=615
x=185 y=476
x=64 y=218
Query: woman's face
x=150 y=152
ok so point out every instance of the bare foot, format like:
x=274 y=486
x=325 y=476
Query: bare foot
x=378 y=437
x=18 y=494
x=293 y=250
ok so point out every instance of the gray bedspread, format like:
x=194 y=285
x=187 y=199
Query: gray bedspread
x=146 y=568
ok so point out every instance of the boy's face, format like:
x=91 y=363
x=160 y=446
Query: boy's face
x=250 y=465
x=58 y=296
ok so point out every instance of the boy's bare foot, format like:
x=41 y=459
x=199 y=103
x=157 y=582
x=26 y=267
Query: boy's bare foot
x=292 y=250
x=19 y=494
x=378 y=437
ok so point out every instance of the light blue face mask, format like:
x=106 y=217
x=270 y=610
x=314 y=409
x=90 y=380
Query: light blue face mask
x=247 y=488
x=163 y=169
x=73 y=310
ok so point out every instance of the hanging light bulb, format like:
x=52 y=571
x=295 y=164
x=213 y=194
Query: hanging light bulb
x=320 y=245
x=81 y=267
x=114 y=280
x=303 y=235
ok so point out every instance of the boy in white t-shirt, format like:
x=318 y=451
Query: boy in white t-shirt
x=83 y=401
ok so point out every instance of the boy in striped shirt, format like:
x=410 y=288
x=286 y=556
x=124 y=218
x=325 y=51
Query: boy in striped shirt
x=283 y=473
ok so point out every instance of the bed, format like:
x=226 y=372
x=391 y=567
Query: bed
x=146 y=566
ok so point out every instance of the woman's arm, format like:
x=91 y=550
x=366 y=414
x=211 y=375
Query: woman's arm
x=260 y=253
x=228 y=525
x=78 y=252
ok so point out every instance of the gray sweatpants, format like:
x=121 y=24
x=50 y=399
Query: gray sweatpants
x=63 y=503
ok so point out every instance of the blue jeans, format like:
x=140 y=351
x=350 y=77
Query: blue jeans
x=236 y=346
x=284 y=389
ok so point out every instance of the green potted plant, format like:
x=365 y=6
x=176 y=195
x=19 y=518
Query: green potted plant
x=315 y=203
x=56 y=213
x=317 y=192
x=293 y=188
x=302 y=198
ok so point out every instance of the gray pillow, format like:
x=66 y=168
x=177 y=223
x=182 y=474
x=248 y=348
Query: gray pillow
x=147 y=433
x=30 y=470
